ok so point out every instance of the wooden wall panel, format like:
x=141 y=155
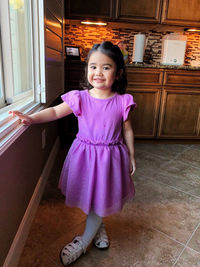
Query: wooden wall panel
x=53 y=24
x=55 y=8
x=54 y=60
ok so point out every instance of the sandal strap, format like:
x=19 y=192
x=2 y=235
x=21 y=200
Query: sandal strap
x=72 y=251
x=101 y=235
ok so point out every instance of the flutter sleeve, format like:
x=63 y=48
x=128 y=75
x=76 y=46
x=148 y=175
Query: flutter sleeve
x=73 y=100
x=128 y=104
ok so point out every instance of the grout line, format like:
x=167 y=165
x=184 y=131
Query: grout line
x=168 y=236
x=195 y=148
x=167 y=163
x=163 y=157
x=173 y=187
x=193 y=250
x=186 y=245
x=188 y=164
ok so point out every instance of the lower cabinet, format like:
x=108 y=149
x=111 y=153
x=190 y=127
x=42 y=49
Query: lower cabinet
x=145 y=117
x=168 y=107
x=179 y=114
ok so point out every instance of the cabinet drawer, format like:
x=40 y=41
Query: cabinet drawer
x=144 y=77
x=182 y=78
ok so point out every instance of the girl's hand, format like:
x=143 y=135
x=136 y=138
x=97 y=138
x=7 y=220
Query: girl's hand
x=132 y=166
x=25 y=119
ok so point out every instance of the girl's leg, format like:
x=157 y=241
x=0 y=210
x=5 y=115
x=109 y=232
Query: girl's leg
x=92 y=226
x=78 y=246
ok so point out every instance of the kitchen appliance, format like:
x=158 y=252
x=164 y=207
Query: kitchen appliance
x=139 y=48
x=173 y=49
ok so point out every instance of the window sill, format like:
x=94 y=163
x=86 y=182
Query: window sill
x=11 y=128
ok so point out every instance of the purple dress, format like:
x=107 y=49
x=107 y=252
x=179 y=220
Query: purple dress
x=95 y=174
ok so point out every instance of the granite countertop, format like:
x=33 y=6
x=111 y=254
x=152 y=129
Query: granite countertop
x=160 y=66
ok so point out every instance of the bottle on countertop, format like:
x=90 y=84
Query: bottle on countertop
x=124 y=51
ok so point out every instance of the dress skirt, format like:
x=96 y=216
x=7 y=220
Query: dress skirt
x=96 y=177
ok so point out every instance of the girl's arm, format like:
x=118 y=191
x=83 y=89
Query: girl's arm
x=129 y=140
x=46 y=115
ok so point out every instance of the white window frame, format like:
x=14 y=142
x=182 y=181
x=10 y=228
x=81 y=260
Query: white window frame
x=25 y=103
x=2 y=99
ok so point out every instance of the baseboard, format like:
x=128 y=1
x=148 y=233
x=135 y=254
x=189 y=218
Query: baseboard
x=23 y=230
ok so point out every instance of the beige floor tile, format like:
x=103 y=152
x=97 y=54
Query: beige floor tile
x=195 y=241
x=169 y=151
x=171 y=212
x=130 y=245
x=36 y=259
x=147 y=163
x=196 y=146
x=191 y=156
x=52 y=221
x=180 y=175
x=53 y=250
x=189 y=258
x=149 y=232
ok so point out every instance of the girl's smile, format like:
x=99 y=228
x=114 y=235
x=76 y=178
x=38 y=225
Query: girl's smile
x=101 y=71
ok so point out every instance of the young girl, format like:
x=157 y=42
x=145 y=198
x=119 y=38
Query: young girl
x=96 y=173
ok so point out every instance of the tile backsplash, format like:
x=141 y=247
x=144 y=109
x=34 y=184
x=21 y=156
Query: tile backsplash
x=85 y=36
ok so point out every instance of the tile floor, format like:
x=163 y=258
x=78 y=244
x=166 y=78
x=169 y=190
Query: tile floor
x=160 y=227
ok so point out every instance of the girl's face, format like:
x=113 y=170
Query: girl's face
x=101 y=71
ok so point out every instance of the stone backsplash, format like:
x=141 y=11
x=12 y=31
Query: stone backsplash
x=85 y=36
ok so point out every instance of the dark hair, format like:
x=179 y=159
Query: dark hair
x=114 y=52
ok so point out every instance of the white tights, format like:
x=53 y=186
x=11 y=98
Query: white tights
x=92 y=225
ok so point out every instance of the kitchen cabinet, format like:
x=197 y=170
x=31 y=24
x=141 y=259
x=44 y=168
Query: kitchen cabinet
x=68 y=126
x=74 y=71
x=121 y=10
x=138 y=11
x=87 y=9
x=181 y=12
x=168 y=103
x=179 y=114
x=145 y=117
x=180 y=105
x=184 y=13
x=145 y=86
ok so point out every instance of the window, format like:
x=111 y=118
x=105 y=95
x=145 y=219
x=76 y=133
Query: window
x=1 y=83
x=21 y=44
x=22 y=73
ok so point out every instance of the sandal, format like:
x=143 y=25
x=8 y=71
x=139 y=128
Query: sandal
x=72 y=251
x=101 y=239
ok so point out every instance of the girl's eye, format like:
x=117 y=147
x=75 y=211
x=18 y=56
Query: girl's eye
x=93 y=67
x=106 y=68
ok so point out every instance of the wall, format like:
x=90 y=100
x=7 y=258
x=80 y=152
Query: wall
x=86 y=36
x=21 y=166
x=22 y=163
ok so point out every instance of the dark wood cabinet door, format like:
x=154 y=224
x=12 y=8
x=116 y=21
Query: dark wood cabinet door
x=74 y=73
x=180 y=114
x=181 y=78
x=145 y=117
x=88 y=9
x=139 y=10
x=181 y=12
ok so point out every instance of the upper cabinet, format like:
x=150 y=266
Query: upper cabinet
x=138 y=10
x=184 y=13
x=88 y=9
x=181 y=12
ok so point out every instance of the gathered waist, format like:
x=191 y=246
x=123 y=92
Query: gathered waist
x=99 y=143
